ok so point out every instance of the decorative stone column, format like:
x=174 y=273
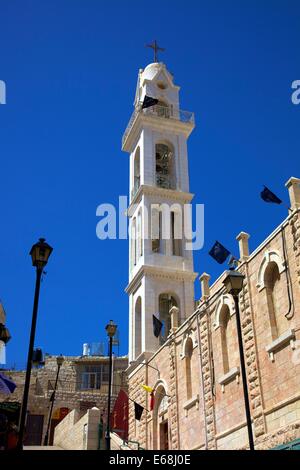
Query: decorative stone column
x=208 y=382
x=204 y=282
x=173 y=410
x=293 y=185
x=174 y=313
x=250 y=351
x=243 y=238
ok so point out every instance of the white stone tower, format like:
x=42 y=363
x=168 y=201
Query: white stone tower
x=161 y=273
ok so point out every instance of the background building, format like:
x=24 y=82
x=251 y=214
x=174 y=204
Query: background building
x=82 y=385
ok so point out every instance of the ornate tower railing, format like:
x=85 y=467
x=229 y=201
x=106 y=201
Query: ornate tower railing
x=162 y=112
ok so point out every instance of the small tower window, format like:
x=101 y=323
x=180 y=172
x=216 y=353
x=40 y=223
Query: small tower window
x=162 y=85
x=136 y=172
x=164 y=167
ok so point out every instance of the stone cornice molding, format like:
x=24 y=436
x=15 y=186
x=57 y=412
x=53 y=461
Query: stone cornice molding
x=159 y=272
x=170 y=194
x=141 y=121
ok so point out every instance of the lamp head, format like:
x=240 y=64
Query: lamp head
x=40 y=253
x=60 y=360
x=233 y=282
x=111 y=329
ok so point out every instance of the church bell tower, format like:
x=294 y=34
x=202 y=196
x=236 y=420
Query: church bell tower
x=161 y=274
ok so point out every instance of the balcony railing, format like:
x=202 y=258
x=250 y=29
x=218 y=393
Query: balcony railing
x=163 y=112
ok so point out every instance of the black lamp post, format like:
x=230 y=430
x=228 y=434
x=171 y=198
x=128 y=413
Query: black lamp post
x=111 y=329
x=60 y=361
x=39 y=253
x=233 y=283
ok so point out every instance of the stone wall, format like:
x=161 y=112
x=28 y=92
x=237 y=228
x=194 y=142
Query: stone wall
x=69 y=394
x=78 y=433
x=214 y=416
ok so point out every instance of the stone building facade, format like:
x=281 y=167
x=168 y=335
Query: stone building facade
x=82 y=385
x=199 y=400
x=193 y=365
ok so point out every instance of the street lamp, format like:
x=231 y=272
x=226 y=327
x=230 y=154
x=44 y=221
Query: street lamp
x=111 y=329
x=39 y=253
x=233 y=283
x=59 y=361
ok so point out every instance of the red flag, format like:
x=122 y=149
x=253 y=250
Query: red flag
x=151 y=401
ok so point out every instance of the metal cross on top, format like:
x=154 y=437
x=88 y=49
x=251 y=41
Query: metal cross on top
x=155 y=48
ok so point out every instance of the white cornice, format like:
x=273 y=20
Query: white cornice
x=159 y=272
x=165 y=194
x=155 y=123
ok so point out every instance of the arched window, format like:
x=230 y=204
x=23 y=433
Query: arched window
x=139 y=234
x=225 y=324
x=138 y=327
x=158 y=243
x=164 y=164
x=160 y=419
x=136 y=172
x=176 y=233
x=188 y=367
x=166 y=302
x=274 y=288
x=133 y=242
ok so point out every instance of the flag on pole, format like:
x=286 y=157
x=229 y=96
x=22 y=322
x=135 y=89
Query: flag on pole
x=147 y=388
x=138 y=411
x=151 y=401
x=157 y=326
x=268 y=196
x=219 y=253
x=148 y=101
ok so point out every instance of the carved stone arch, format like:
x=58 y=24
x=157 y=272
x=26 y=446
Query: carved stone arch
x=225 y=299
x=190 y=334
x=161 y=383
x=270 y=256
x=160 y=410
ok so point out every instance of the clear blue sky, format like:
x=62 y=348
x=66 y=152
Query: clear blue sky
x=71 y=67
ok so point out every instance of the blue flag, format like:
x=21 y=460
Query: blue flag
x=148 y=101
x=219 y=253
x=268 y=196
x=157 y=326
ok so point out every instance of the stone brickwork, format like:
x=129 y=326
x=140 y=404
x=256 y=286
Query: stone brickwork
x=254 y=385
x=212 y=416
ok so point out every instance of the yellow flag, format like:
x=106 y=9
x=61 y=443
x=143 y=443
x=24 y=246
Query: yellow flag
x=147 y=388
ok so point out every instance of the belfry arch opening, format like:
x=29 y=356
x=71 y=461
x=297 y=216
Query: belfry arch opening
x=165 y=303
x=136 y=171
x=164 y=166
x=138 y=327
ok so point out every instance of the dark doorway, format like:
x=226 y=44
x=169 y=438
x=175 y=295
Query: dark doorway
x=164 y=437
x=54 y=423
x=34 y=430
